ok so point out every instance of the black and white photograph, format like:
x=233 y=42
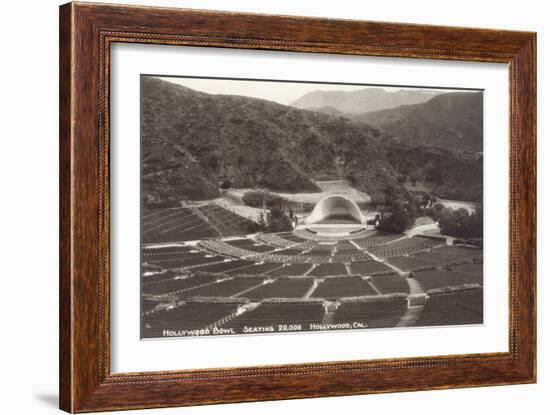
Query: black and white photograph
x=275 y=207
x=281 y=206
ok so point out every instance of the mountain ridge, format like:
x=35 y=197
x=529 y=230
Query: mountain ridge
x=193 y=142
x=451 y=120
x=362 y=100
x=253 y=143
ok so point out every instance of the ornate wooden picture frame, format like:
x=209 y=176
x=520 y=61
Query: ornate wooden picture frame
x=87 y=32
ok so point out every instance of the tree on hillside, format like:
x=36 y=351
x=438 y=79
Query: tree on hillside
x=434 y=175
x=476 y=222
x=461 y=223
x=436 y=211
x=278 y=221
x=403 y=210
x=400 y=218
x=425 y=201
x=454 y=222
x=261 y=222
x=391 y=194
x=340 y=163
x=226 y=184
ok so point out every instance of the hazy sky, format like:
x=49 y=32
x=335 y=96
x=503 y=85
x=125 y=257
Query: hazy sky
x=278 y=91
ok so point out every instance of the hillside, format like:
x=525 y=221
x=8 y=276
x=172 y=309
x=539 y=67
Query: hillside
x=363 y=100
x=327 y=110
x=452 y=120
x=445 y=173
x=170 y=173
x=193 y=141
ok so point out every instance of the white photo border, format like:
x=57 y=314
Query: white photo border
x=130 y=354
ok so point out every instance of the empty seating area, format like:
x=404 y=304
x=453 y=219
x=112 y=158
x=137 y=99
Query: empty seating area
x=433 y=257
x=411 y=263
x=267 y=279
x=440 y=279
x=241 y=242
x=323 y=270
x=275 y=240
x=324 y=246
x=391 y=284
x=350 y=251
x=318 y=252
x=184 y=318
x=317 y=259
x=157 y=277
x=224 y=248
x=174 y=224
x=250 y=245
x=258 y=248
x=225 y=221
x=351 y=257
x=148 y=305
x=192 y=223
x=473 y=269
x=340 y=287
x=270 y=315
x=281 y=259
x=295 y=269
x=463 y=307
x=345 y=246
x=450 y=255
x=290 y=251
x=194 y=261
x=225 y=266
x=288 y=259
x=379 y=238
x=178 y=284
x=281 y=288
x=267 y=253
x=369 y=268
x=164 y=250
x=405 y=246
x=187 y=316
x=436 y=257
x=306 y=245
x=224 y=288
x=376 y=313
x=289 y=236
x=162 y=256
x=462 y=251
x=256 y=269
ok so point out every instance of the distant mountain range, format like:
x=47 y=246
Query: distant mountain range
x=362 y=100
x=191 y=138
x=452 y=120
x=194 y=141
x=327 y=110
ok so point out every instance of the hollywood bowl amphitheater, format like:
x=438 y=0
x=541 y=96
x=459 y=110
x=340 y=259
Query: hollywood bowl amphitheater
x=203 y=274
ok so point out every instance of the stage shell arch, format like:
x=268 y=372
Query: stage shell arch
x=335 y=206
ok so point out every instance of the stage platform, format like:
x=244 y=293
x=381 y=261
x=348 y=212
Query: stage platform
x=333 y=231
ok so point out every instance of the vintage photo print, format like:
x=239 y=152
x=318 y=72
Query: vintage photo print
x=271 y=206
